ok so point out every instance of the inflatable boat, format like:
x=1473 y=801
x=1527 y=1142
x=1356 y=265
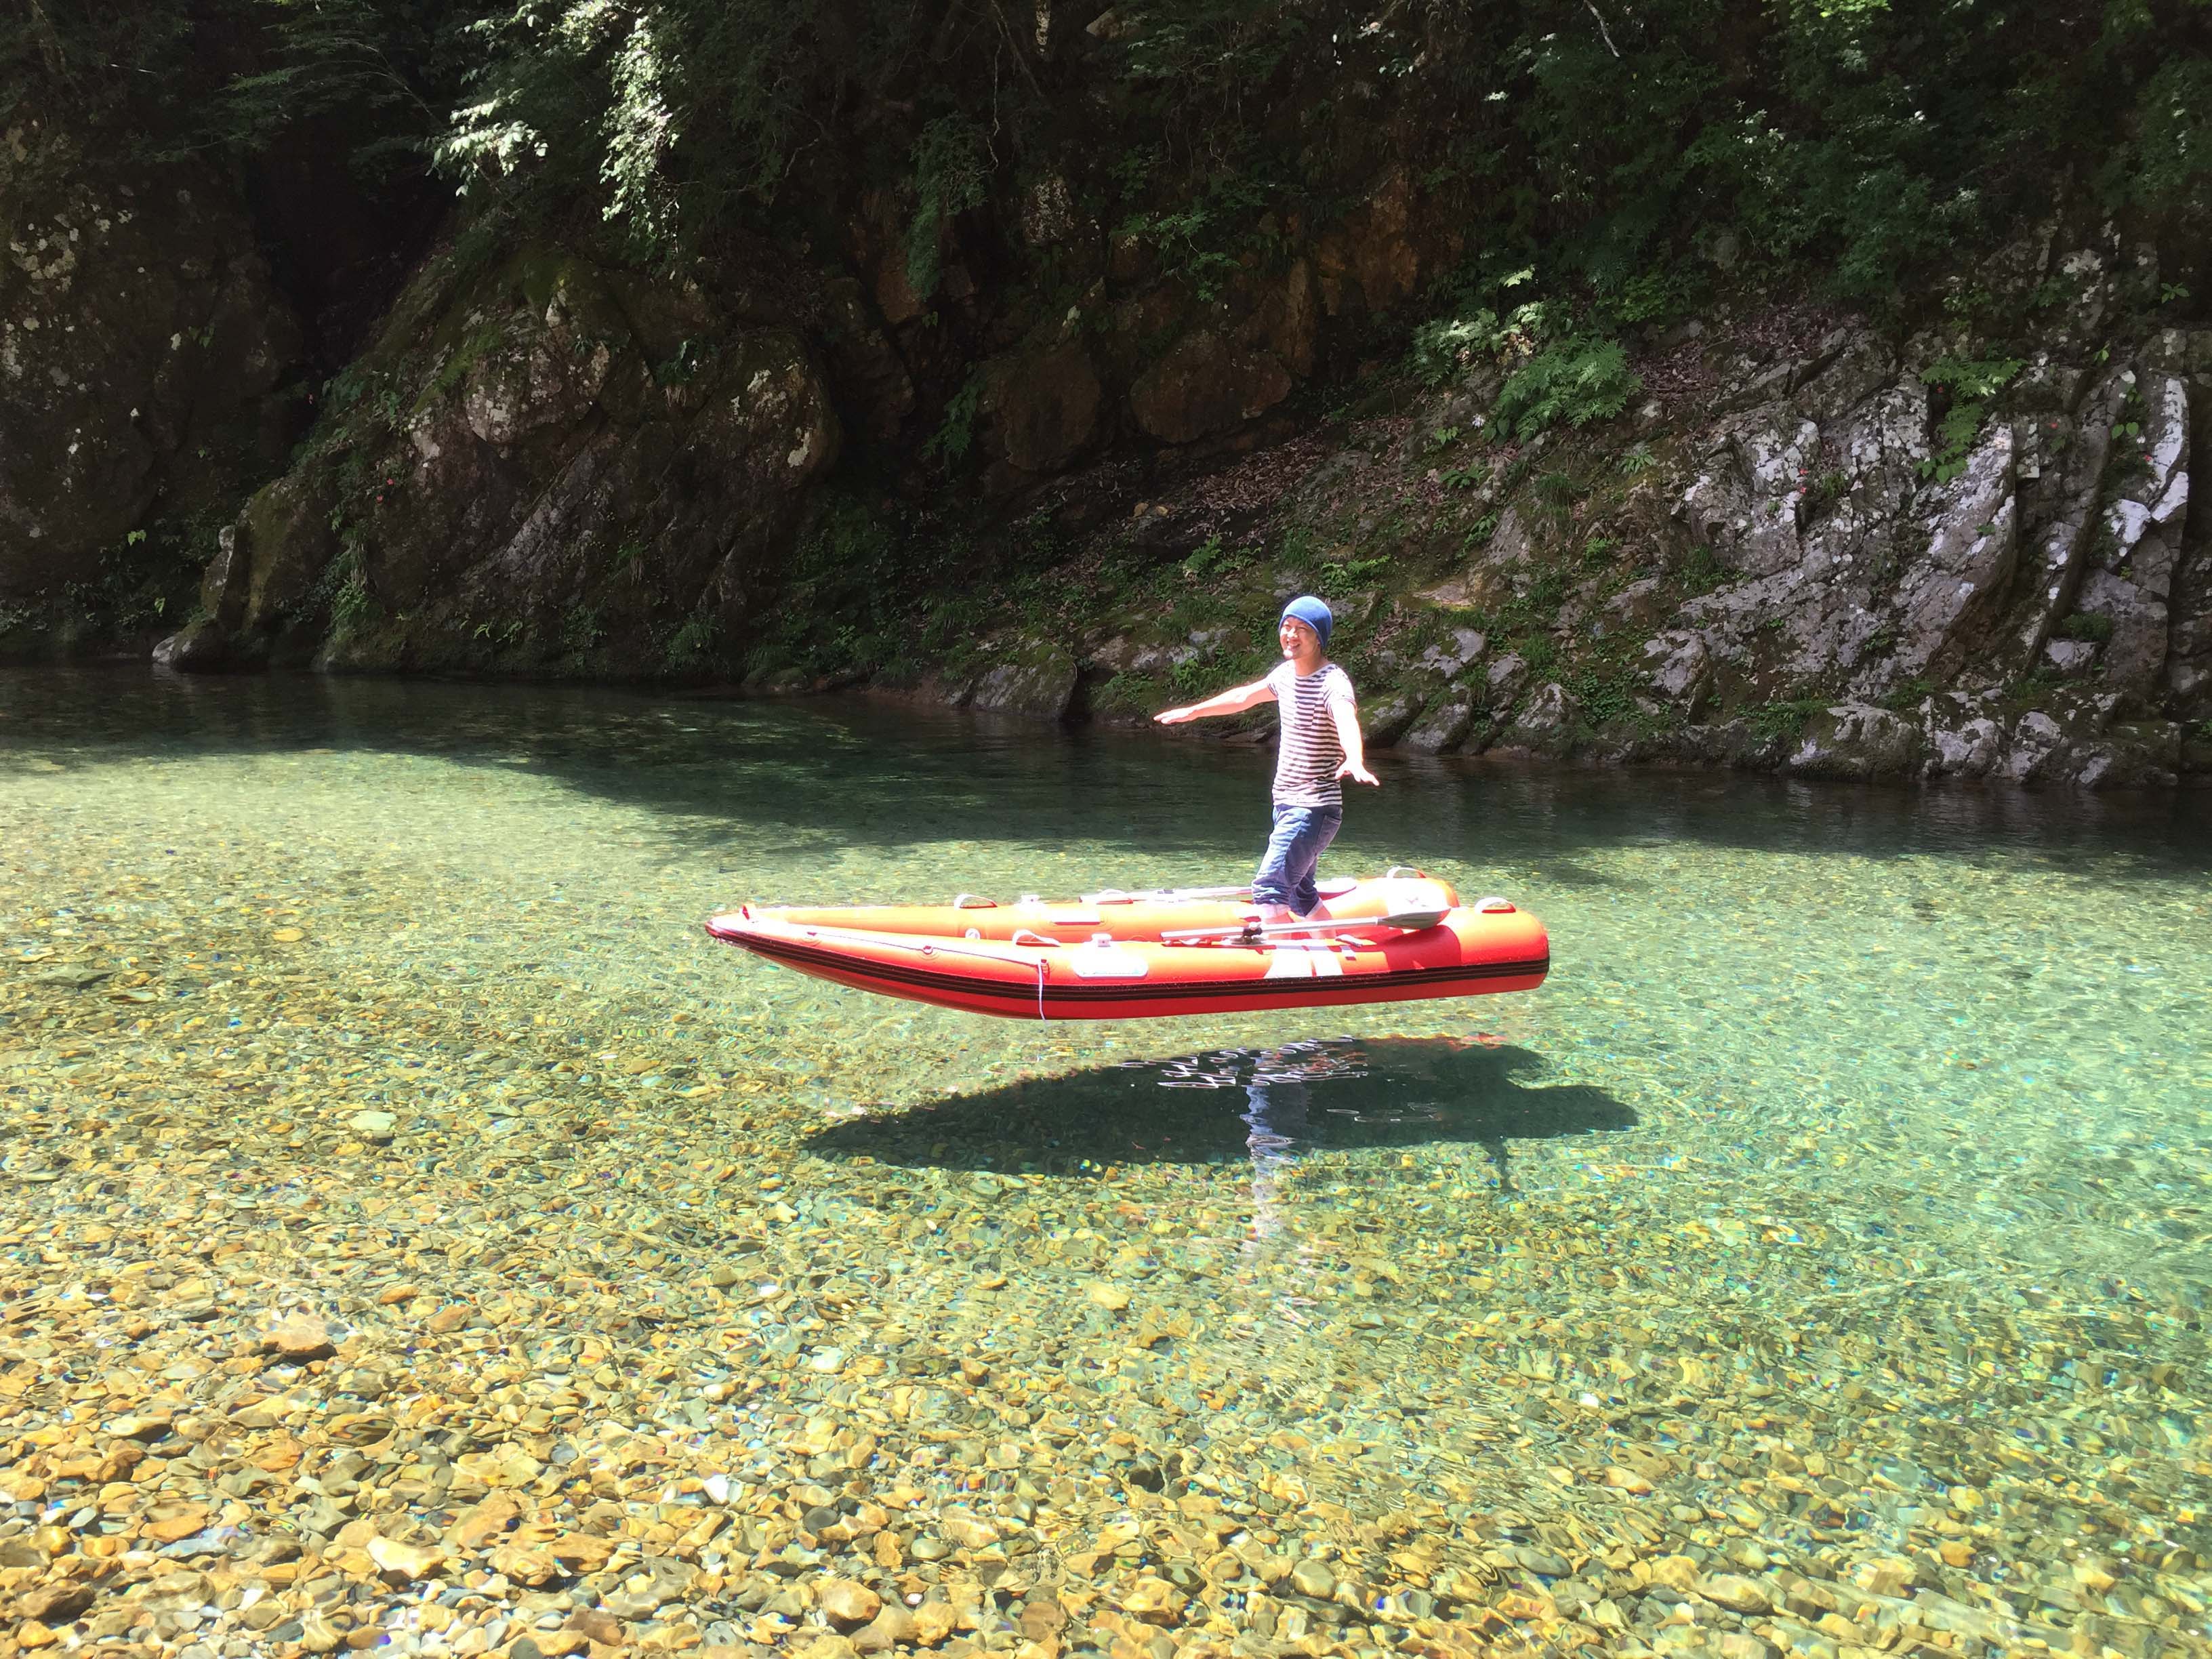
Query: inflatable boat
x=1115 y=955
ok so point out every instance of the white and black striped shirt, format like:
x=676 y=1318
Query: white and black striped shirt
x=1305 y=766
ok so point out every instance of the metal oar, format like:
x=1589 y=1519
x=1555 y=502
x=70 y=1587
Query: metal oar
x=1404 y=921
x=1116 y=894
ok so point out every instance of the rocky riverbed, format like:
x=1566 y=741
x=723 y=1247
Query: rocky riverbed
x=416 y=1237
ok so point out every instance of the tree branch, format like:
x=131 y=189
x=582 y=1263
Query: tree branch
x=1604 y=33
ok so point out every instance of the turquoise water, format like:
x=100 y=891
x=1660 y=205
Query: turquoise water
x=1844 y=1198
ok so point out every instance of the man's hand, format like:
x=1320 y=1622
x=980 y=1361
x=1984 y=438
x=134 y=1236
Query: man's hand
x=1176 y=716
x=1357 y=772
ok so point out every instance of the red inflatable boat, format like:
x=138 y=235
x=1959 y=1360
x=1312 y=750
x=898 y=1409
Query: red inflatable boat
x=1134 y=956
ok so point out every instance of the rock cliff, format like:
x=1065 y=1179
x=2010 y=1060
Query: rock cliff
x=1078 y=475
x=149 y=372
x=550 y=468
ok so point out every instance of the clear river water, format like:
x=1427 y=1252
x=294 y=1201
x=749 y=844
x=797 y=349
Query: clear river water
x=1838 y=1214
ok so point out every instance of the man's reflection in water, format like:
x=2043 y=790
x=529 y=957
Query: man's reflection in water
x=1281 y=1086
x=1275 y=1122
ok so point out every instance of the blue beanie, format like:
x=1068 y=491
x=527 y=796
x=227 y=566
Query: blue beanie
x=1313 y=613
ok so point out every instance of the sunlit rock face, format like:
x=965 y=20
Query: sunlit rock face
x=558 y=467
x=1851 y=593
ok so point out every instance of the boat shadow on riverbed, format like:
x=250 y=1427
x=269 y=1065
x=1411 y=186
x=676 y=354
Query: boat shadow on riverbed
x=1338 y=1094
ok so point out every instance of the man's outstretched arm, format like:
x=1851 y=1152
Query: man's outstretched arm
x=1346 y=714
x=1233 y=701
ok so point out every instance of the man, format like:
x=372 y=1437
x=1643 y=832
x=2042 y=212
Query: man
x=1321 y=746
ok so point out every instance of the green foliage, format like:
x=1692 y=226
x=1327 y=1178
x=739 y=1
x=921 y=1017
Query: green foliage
x=391 y=65
x=951 y=174
x=1605 y=693
x=2167 y=163
x=692 y=645
x=956 y=433
x=1908 y=694
x=1341 y=579
x=1638 y=147
x=2084 y=625
x=672 y=115
x=681 y=369
x=628 y=560
x=1650 y=296
x=1556 y=495
x=1782 y=721
x=1970 y=385
x=1446 y=347
x=1203 y=242
x=1191 y=65
x=856 y=598
x=343 y=589
x=1483 y=324
x=1701 y=572
x=1208 y=557
x=1578 y=380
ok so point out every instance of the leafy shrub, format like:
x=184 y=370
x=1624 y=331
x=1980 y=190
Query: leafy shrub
x=956 y=433
x=1702 y=572
x=2171 y=154
x=580 y=630
x=1481 y=327
x=692 y=645
x=2084 y=625
x=1447 y=347
x=345 y=582
x=1342 y=580
x=951 y=174
x=1579 y=379
x=1782 y=721
x=1558 y=492
x=1971 y=385
x=1203 y=242
x=1208 y=556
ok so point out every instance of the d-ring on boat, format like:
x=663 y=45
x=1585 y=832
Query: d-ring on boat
x=1115 y=955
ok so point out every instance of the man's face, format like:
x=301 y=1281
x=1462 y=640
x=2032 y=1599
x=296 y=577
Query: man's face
x=1298 y=640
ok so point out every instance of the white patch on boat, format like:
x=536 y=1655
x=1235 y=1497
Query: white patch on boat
x=1304 y=959
x=1107 y=962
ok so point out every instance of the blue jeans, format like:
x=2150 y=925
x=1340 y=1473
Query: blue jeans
x=1287 y=868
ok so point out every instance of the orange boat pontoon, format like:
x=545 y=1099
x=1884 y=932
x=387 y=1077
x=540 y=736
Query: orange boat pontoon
x=1115 y=955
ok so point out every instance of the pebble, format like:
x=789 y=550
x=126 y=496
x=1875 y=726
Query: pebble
x=375 y=1127
x=403 y=1564
x=1154 y=1600
x=1735 y=1592
x=299 y=1337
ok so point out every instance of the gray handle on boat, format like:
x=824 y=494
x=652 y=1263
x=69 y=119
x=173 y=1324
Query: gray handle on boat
x=1405 y=922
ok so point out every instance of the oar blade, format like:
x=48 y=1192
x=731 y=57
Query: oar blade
x=1411 y=921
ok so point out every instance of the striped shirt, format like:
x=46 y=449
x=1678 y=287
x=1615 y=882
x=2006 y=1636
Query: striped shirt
x=1305 y=766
